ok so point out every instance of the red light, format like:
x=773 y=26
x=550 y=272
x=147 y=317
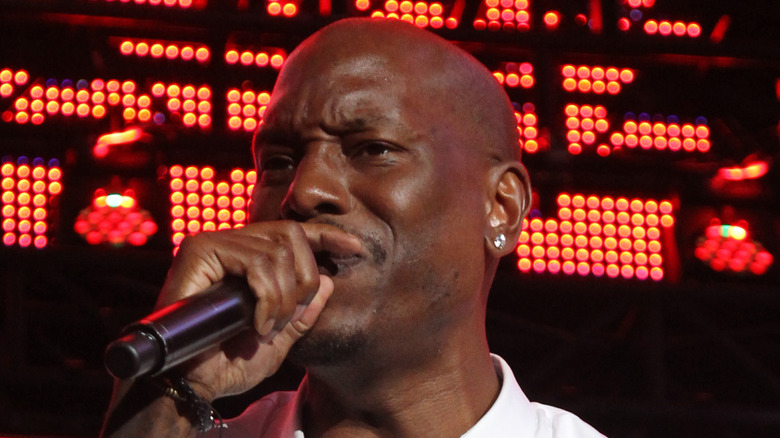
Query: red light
x=651 y=27
x=274 y=8
x=552 y=19
x=187 y=53
x=6 y=76
x=694 y=30
x=156 y=50
x=172 y=51
x=141 y=49
x=665 y=28
x=679 y=28
x=21 y=77
x=289 y=10
x=202 y=54
x=277 y=61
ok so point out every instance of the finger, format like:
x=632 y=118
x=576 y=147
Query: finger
x=199 y=263
x=265 y=285
x=323 y=237
x=306 y=315
x=282 y=300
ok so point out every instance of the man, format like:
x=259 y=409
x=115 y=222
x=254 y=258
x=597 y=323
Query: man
x=389 y=185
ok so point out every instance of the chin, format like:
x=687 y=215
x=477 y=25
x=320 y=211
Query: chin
x=327 y=347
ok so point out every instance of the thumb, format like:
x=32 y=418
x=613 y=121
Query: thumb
x=306 y=314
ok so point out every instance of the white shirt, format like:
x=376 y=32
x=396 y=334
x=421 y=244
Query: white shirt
x=511 y=416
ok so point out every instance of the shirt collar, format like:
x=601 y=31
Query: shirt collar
x=511 y=413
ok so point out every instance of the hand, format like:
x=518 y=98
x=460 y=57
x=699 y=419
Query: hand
x=277 y=259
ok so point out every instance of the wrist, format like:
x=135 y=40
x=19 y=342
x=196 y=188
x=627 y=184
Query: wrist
x=198 y=410
x=139 y=408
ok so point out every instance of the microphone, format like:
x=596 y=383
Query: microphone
x=181 y=330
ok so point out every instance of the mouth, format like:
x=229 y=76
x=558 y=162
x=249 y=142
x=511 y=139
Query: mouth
x=336 y=265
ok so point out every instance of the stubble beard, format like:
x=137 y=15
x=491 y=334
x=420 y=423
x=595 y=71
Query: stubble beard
x=329 y=348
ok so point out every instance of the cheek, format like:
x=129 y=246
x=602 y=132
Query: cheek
x=265 y=204
x=425 y=215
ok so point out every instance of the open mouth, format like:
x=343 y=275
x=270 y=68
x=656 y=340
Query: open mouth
x=335 y=265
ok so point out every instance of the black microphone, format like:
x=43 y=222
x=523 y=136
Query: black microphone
x=181 y=330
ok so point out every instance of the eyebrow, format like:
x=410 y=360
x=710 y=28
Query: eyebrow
x=270 y=134
x=353 y=125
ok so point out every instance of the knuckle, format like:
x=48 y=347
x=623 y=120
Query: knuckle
x=260 y=261
x=293 y=229
x=309 y=280
x=285 y=254
x=194 y=243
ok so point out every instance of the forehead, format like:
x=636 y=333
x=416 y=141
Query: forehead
x=350 y=93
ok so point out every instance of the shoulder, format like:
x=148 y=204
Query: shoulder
x=554 y=422
x=513 y=415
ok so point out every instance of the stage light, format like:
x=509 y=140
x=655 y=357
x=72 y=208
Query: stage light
x=730 y=248
x=586 y=79
x=26 y=192
x=172 y=51
x=593 y=234
x=552 y=19
x=184 y=4
x=749 y=170
x=245 y=109
x=199 y=183
x=156 y=50
x=694 y=30
x=202 y=54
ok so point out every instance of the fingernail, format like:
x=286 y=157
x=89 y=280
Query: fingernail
x=267 y=327
x=299 y=309
x=269 y=337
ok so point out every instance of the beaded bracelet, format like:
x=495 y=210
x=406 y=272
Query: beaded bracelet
x=199 y=411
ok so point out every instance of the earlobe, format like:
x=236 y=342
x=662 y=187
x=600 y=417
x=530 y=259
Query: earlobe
x=510 y=202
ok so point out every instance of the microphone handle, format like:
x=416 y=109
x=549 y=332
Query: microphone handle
x=181 y=330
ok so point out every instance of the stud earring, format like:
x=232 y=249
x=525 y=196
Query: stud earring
x=500 y=241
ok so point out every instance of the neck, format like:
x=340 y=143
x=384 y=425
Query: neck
x=441 y=395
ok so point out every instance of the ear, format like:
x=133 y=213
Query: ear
x=508 y=204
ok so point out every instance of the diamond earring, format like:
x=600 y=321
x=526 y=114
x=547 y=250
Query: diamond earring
x=500 y=241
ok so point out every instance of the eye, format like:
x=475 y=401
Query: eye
x=373 y=149
x=276 y=162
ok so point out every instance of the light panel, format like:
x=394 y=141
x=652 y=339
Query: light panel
x=515 y=74
x=595 y=79
x=115 y=219
x=731 y=248
x=182 y=4
x=530 y=141
x=422 y=14
x=10 y=80
x=506 y=15
x=164 y=50
x=285 y=8
x=587 y=127
x=257 y=57
x=202 y=201
x=185 y=104
x=601 y=236
x=245 y=108
x=640 y=14
x=27 y=191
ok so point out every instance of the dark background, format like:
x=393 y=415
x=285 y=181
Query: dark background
x=696 y=354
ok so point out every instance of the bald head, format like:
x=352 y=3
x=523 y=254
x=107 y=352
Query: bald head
x=394 y=135
x=451 y=83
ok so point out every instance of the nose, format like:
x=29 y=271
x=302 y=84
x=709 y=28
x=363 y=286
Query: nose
x=319 y=186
